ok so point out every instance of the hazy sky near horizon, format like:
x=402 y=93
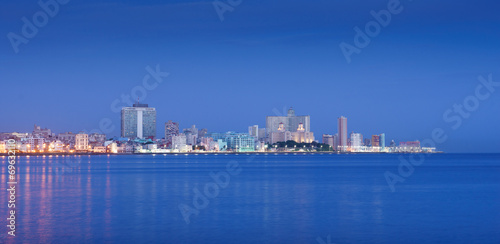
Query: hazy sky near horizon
x=264 y=57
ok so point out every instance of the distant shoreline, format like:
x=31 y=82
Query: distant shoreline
x=209 y=153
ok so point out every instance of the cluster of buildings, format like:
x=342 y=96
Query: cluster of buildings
x=139 y=135
x=354 y=142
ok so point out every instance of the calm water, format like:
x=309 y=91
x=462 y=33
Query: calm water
x=450 y=198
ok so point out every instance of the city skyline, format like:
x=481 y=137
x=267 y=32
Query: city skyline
x=290 y=113
x=70 y=74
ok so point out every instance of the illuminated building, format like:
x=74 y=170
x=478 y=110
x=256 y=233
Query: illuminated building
x=375 y=141
x=409 y=146
x=179 y=142
x=138 y=121
x=81 y=142
x=171 y=129
x=342 y=131
x=382 y=141
x=290 y=122
x=356 y=141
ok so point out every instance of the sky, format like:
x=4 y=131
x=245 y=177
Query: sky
x=259 y=59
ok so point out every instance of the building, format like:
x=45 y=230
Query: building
x=44 y=133
x=328 y=139
x=81 y=142
x=356 y=142
x=409 y=146
x=191 y=135
x=179 y=142
x=254 y=131
x=342 y=133
x=202 y=133
x=240 y=142
x=367 y=142
x=382 y=141
x=67 y=137
x=262 y=134
x=138 y=121
x=375 y=141
x=97 y=138
x=171 y=129
x=290 y=122
x=35 y=143
x=300 y=135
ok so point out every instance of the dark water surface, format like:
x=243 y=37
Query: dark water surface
x=449 y=198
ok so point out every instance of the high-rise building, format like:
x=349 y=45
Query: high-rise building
x=191 y=135
x=262 y=134
x=375 y=141
x=202 y=133
x=171 y=129
x=356 y=141
x=342 y=131
x=382 y=141
x=290 y=122
x=367 y=142
x=138 y=121
x=254 y=131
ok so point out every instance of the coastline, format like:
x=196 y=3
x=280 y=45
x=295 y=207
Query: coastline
x=211 y=153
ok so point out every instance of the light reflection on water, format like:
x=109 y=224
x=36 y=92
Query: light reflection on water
x=275 y=199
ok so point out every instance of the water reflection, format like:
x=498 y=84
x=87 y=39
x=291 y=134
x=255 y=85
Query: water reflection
x=292 y=199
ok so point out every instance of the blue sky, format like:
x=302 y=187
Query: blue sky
x=265 y=56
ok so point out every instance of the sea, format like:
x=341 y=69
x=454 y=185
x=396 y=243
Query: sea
x=249 y=198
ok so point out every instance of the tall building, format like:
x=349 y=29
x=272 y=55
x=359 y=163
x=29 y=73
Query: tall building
x=262 y=134
x=375 y=141
x=300 y=135
x=202 y=133
x=290 y=122
x=81 y=142
x=342 y=131
x=191 y=135
x=138 y=121
x=356 y=141
x=171 y=129
x=367 y=142
x=382 y=141
x=254 y=131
